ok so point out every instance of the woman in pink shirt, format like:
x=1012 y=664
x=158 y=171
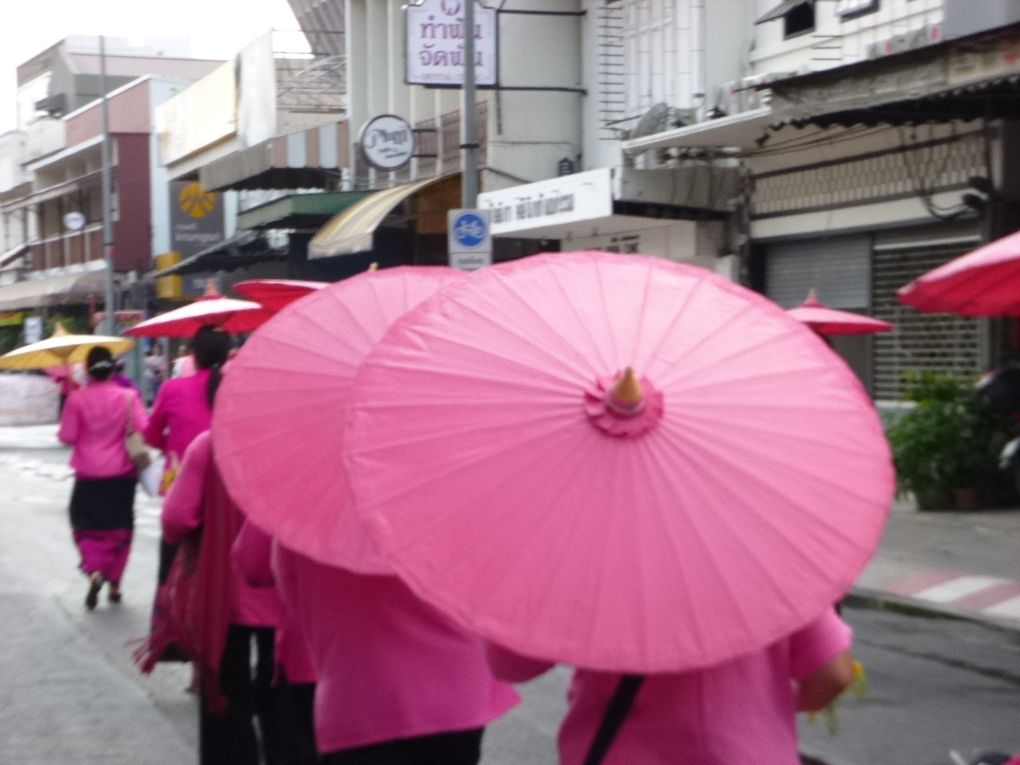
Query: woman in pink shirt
x=221 y=619
x=741 y=711
x=181 y=411
x=397 y=682
x=95 y=421
x=295 y=674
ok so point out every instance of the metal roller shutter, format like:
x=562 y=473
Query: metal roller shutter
x=838 y=269
x=921 y=341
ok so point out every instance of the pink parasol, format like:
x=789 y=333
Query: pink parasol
x=985 y=282
x=278 y=426
x=212 y=309
x=830 y=321
x=616 y=461
x=274 y=294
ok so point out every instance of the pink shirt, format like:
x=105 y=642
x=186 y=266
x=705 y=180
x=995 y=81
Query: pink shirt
x=183 y=512
x=94 y=422
x=252 y=557
x=179 y=413
x=388 y=665
x=738 y=712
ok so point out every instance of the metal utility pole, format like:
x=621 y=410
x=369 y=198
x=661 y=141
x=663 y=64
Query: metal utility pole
x=108 y=324
x=469 y=115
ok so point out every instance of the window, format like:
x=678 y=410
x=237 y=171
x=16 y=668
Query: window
x=799 y=19
x=851 y=9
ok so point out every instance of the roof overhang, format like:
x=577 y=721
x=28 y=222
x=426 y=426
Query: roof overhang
x=353 y=230
x=782 y=9
x=301 y=212
x=941 y=82
x=306 y=159
x=245 y=249
x=61 y=289
x=742 y=131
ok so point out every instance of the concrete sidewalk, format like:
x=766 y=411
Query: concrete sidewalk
x=959 y=563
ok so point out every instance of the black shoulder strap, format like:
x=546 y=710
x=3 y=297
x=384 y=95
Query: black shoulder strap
x=616 y=712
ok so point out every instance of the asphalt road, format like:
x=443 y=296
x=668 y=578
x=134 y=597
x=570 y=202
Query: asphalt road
x=71 y=693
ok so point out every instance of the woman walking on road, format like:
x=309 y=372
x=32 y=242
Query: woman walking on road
x=95 y=421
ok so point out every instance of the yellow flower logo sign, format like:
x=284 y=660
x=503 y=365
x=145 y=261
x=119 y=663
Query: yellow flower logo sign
x=196 y=201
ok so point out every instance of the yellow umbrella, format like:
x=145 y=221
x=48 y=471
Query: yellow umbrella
x=60 y=348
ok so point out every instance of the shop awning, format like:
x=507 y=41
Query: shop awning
x=782 y=9
x=62 y=289
x=352 y=230
x=303 y=212
x=246 y=249
x=740 y=131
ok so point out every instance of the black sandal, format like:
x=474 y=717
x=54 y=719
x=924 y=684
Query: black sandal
x=114 y=594
x=95 y=585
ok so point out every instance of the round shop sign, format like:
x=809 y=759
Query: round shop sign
x=74 y=221
x=387 y=142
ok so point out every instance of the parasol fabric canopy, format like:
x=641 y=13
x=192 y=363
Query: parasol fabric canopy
x=831 y=321
x=227 y=314
x=274 y=294
x=985 y=282
x=278 y=426
x=61 y=349
x=616 y=461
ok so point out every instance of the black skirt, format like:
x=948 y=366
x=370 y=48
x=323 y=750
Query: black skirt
x=101 y=504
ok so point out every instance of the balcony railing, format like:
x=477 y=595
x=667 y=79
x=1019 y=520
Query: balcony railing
x=68 y=249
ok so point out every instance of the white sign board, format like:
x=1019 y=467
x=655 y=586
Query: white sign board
x=469 y=239
x=434 y=44
x=568 y=199
x=387 y=142
x=33 y=329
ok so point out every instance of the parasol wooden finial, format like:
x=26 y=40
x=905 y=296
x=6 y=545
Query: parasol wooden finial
x=59 y=330
x=812 y=297
x=373 y=266
x=211 y=290
x=627 y=390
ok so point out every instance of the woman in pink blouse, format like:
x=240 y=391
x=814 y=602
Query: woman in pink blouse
x=181 y=411
x=741 y=711
x=397 y=682
x=95 y=421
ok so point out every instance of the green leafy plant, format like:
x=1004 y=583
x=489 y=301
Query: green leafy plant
x=949 y=440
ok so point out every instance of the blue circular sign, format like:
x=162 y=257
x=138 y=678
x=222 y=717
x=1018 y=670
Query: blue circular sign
x=469 y=229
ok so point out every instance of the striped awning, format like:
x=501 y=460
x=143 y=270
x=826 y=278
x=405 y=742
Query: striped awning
x=352 y=230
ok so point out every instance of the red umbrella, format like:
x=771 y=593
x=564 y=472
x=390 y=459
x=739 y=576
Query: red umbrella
x=274 y=294
x=212 y=309
x=830 y=321
x=985 y=282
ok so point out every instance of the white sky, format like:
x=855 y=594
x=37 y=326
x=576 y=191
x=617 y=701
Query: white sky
x=216 y=28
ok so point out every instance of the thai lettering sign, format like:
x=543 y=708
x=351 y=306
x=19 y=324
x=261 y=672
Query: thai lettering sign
x=387 y=142
x=434 y=49
x=567 y=199
x=196 y=217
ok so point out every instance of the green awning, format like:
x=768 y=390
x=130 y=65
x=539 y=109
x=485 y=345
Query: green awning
x=307 y=212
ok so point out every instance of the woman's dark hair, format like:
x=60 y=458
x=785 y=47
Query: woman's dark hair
x=99 y=363
x=210 y=348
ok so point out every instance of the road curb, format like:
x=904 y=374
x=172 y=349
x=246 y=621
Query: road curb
x=811 y=756
x=884 y=600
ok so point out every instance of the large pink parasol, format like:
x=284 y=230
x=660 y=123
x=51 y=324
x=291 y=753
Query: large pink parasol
x=831 y=321
x=616 y=461
x=278 y=426
x=985 y=282
x=274 y=294
x=212 y=309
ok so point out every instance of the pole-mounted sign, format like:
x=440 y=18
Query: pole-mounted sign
x=469 y=239
x=387 y=142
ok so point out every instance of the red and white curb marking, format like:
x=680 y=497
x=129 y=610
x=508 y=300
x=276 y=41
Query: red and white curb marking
x=987 y=595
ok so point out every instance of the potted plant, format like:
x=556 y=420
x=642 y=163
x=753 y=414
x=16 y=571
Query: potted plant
x=946 y=445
